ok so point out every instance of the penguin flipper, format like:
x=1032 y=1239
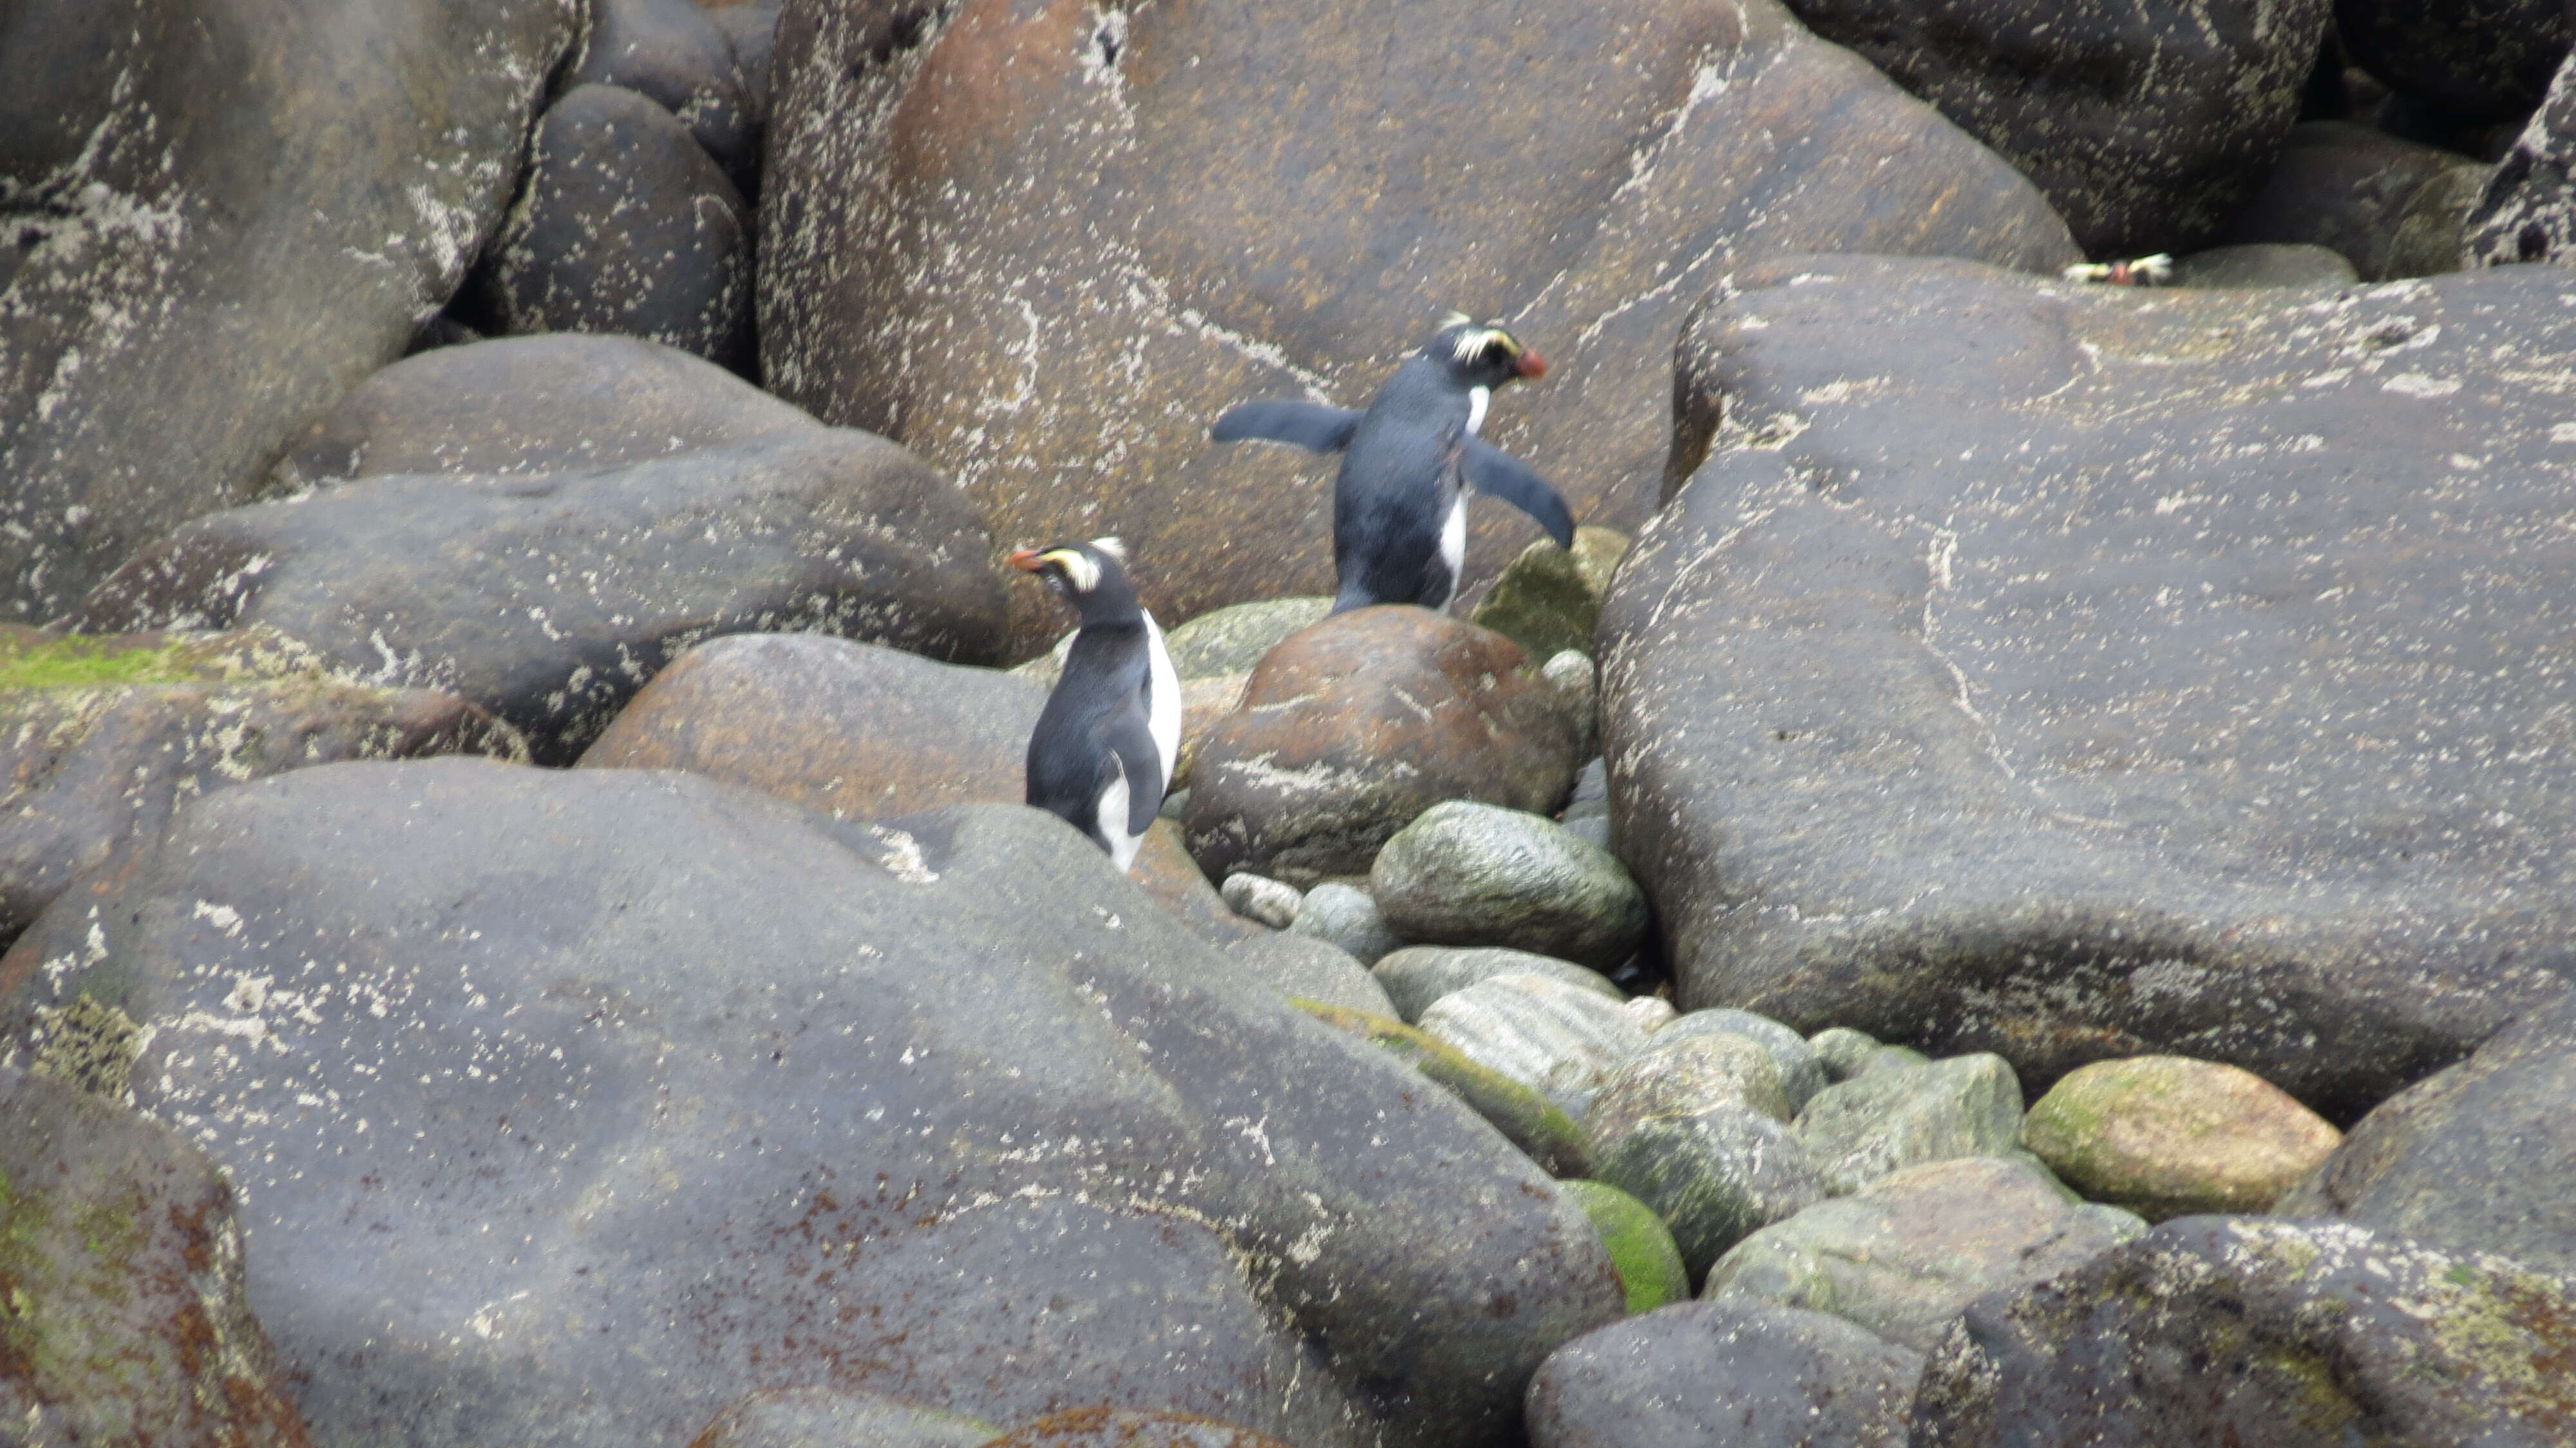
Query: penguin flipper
x=1310 y=425
x=1130 y=738
x=1498 y=474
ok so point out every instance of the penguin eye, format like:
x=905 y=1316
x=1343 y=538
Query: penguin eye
x=1498 y=352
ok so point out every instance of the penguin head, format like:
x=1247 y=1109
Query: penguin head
x=1481 y=354
x=1091 y=576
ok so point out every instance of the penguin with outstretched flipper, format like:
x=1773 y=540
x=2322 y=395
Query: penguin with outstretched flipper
x=1399 y=508
x=1105 y=744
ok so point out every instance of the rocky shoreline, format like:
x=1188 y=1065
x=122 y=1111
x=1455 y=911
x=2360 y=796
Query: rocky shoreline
x=2016 y=884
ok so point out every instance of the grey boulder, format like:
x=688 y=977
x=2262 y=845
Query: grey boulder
x=2255 y=1330
x=679 y=56
x=773 y=1097
x=2528 y=210
x=1300 y=967
x=1744 y=1375
x=548 y=403
x=1714 y=1176
x=222 y=216
x=128 y=1316
x=1555 y=1038
x=2477 y=1157
x=1802 y=1067
x=624 y=226
x=1998 y=704
x=550 y=599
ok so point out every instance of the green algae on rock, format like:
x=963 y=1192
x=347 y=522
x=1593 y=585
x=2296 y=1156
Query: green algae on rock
x=1549 y=598
x=1640 y=1245
x=1538 y=1126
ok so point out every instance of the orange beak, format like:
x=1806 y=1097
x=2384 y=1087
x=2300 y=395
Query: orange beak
x=1531 y=365
x=1025 y=559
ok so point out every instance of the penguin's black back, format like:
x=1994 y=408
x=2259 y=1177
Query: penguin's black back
x=1103 y=684
x=1398 y=481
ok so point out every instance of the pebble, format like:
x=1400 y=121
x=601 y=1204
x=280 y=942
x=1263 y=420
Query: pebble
x=1348 y=917
x=1713 y=1176
x=1257 y=897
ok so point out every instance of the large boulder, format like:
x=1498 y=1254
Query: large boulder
x=2249 y=1330
x=2478 y=1157
x=551 y=599
x=625 y=226
x=222 y=216
x=2528 y=210
x=579 y=1104
x=2481 y=59
x=2070 y=672
x=2144 y=124
x=1354 y=726
x=682 y=58
x=2391 y=207
x=862 y=731
x=1045 y=242
x=125 y=1318
x=1740 y=1374
x=542 y=404
x=101 y=739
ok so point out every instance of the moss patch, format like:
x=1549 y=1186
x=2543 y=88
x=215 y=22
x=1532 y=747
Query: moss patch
x=87 y=1044
x=1538 y=1126
x=37 y=659
x=1640 y=1246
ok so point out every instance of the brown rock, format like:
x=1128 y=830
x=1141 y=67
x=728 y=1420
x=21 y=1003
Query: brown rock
x=1046 y=243
x=1203 y=703
x=103 y=737
x=127 y=1318
x=533 y=405
x=860 y=731
x=2168 y=1136
x=1352 y=727
x=2392 y=207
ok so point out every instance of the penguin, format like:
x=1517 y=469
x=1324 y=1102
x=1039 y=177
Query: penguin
x=1399 y=510
x=1105 y=744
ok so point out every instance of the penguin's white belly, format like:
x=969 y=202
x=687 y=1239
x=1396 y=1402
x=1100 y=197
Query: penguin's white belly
x=1162 y=702
x=1478 y=398
x=1453 y=542
x=1113 y=824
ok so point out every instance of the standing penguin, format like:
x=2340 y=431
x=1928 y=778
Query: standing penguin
x=1106 y=742
x=1399 y=513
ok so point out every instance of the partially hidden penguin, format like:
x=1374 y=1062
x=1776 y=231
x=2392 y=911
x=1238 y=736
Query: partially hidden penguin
x=1399 y=503
x=1103 y=750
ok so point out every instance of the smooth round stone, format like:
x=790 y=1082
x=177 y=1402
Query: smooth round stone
x=1301 y=967
x=1885 y=1120
x=1554 y=1038
x=1641 y=1246
x=1418 y=975
x=1904 y=1256
x=1348 y=917
x=1802 y=1072
x=1684 y=1079
x=1587 y=814
x=1841 y=1050
x=2170 y=1136
x=1232 y=640
x=1713 y=1177
x=1464 y=873
x=1257 y=897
